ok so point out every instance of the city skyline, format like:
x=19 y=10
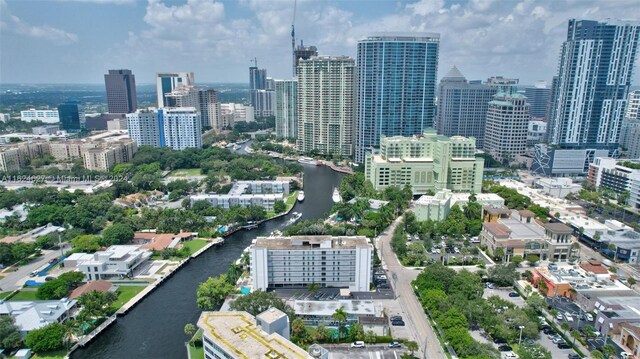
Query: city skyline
x=482 y=38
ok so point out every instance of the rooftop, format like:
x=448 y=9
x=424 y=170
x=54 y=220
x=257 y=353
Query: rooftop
x=327 y=308
x=312 y=242
x=98 y=285
x=624 y=307
x=271 y=315
x=238 y=334
x=30 y=315
x=559 y=228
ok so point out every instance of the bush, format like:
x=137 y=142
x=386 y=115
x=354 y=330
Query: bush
x=47 y=338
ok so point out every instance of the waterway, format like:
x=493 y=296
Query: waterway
x=155 y=327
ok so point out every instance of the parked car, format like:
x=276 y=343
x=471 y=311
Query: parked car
x=34 y=273
x=53 y=260
x=564 y=345
x=499 y=341
x=557 y=339
x=358 y=344
x=397 y=323
x=505 y=348
x=395 y=317
x=588 y=317
x=514 y=294
x=511 y=355
x=395 y=345
x=626 y=355
x=49 y=278
x=574 y=356
x=569 y=317
x=559 y=316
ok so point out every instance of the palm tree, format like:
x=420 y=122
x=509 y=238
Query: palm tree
x=575 y=246
x=341 y=317
x=411 y=346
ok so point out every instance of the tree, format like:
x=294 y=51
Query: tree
x=299 y=333
x=9 y=335
x=96 y=304
x=53 y=289
x=72 y=278
x=212 y=292
x=596 y=354
x=117 y=234
x=565 y=326
x=535 y=351
x=356 y=332
x=340 y=316
x=87 y=243
x=498 y=254
x=609 y=351
x=258 y=301
x=631 y=281
x=47 y=338
x=189 y=329
x=589 y=331
x=517 y=259
x=370 y=337
x=279 y=206
x=532 y=258
x=411 y=346
x=502 y=275
x=536 y=302
x=313 y=287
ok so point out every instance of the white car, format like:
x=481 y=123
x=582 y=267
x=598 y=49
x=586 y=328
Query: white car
x=588 y=317
x=569 y=317
x=559 y=316
x=358 y=344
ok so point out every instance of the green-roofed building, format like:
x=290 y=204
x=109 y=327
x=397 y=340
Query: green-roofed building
x=429 y=162
x=505 y=132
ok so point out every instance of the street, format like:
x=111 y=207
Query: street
x=15 y=280
x=413 y=312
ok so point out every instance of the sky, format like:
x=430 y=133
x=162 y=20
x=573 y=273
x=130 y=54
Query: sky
x=77 y=41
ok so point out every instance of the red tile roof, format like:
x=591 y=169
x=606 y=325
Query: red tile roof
x=99 y=285
x=159 y=241
x=594 y=267
x=498 y=229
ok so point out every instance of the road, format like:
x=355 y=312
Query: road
x=15 y=280
x=401 y=278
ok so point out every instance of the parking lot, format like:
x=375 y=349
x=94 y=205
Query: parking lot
x=552 y=347
x=564 y=306
x=504 y=294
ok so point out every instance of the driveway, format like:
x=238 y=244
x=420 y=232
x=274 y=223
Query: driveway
x=400 y=279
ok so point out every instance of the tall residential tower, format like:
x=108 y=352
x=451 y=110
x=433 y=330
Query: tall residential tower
x=168 y=81
x=286 y=108
x=326 y=105
x=396 y=87
x=594 y=75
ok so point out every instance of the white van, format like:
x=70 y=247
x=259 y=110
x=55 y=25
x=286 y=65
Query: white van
x=358 y=344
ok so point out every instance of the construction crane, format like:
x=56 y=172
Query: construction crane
x=293 y=37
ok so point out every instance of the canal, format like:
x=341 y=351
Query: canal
x=155 y=327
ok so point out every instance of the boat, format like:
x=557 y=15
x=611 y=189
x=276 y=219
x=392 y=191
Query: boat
x=300 y=196
x=250 y=225
x=275 y=234
x=296 y=216
x=336 y=195
x=236 y=147
x=308 y=161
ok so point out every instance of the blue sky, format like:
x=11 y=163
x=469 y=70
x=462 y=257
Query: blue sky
x=77 y=41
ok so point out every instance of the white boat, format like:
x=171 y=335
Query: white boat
x=336 y=195
x=308 y=161
x=300 y=196
x=296 y=216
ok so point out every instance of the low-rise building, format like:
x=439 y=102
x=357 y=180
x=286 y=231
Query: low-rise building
x=522 y=235
x=97 y=285
x=31 y=315
x=629 y=338
x=430 y=162
x=45 y=130
x=116 y=262
x=437 y=207
x=315 y=313
x=46 y=116
x=613 y=311
x=237 y=335
x=159 y=241
x=260 y=187
x=298 y=261
x=557 y=187
x=248 y=193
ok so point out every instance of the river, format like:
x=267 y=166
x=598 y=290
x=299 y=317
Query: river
x=154 y=328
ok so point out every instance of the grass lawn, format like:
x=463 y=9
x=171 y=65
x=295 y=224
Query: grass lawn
x=4 y=295
x=58 y=354
x=195 y=244
x=186 y=172
x=24 y=295
x=125 y=293
x=291 y=200
x=196 y=352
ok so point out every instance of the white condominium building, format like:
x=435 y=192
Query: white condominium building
x=46 y=116
x=326 y=105
x=343 y=262
x=507 y=125
x=286 y=108
x=178 y=128
x=168 y=81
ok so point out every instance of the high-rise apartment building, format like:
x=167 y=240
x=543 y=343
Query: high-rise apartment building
x=302 y=52
x=503 y=84
x=262 y=101
x=175 y=127
x=538 y=99
x=462 y=106
x=71 y=114
x=396 y=87
x=168 y=81
x=257 y=78
x=505 y=134
x=182 y=96
x=210 y=109
x=594 y=75
x=296 y=262
x=630 y=130
x=121 y=91
x=326 y=101
x=429 y=162
x=286 y=108
x=633 y=106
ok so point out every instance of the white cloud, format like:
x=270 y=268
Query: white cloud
x=425 y=7
x=12 y=23
x=116 y=2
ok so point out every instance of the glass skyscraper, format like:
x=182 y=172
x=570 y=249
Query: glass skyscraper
x=71 y=114
x=396 y=87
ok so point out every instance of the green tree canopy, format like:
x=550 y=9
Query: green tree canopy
x=86 y=243
x=10 y=337
x=258 y=301
x=47 y=338
x=53 y=289
x=212 y=292
x=117 y=234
